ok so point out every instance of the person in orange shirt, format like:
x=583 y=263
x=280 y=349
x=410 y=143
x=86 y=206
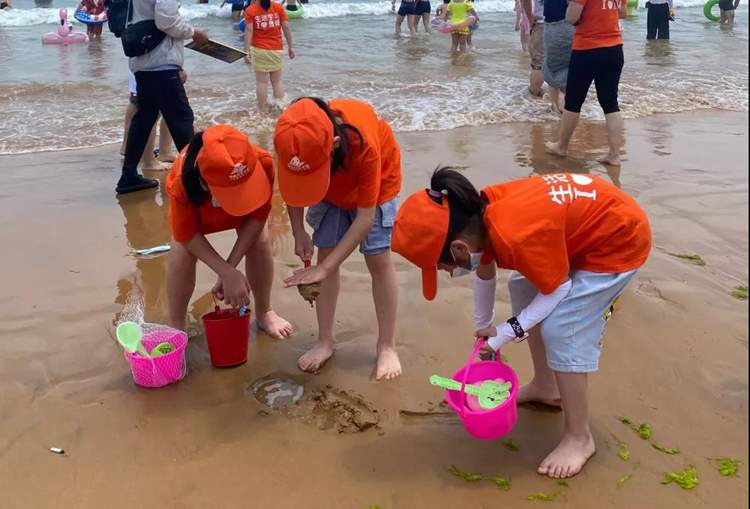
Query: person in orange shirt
x=219 y=182
x=341 y=159
x=573 y=242
x=264 y=22
x=597 y=56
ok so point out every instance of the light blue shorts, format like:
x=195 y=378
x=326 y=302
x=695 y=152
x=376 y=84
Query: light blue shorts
x=330 y=224
x=573 y=332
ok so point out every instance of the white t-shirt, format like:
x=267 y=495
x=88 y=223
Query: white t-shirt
x=131 y=83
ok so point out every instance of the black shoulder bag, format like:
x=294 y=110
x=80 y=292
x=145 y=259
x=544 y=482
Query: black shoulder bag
x=140 y=38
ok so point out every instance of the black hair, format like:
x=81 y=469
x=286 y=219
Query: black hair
x=466 y=207
x=191 y=175
x=266 y=4
x=340 y=129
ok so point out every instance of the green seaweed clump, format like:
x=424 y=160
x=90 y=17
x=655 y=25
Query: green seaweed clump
x=466 y=476
x=644 y=430
x=622 y=449
x=541 y=496
x=563 y=483
x=511 y=444
x=687 y=479
x=694 y=258
x=622 y=480
x=740 y=292
x=501 y=482
x=727 y=466
x=665 y=450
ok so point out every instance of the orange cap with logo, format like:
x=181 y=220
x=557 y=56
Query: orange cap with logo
x=419 y=234
x=304 y=142
x=234 y=175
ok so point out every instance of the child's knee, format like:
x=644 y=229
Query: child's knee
x=380 y=263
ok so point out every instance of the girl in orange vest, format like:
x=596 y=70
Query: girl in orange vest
x=573 y=243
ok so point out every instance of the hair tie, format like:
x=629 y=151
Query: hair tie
x=437 y=194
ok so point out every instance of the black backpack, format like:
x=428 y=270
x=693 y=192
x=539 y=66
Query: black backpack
x=118 y=15
x=137 y=38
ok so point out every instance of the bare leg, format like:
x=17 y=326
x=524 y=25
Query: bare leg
x=180 y=283
x=385 y=295
x=615 y=126
x=543 y=387
x=554 y=99
x=259 y=272
x=399 y=22
x=568 y=124
x=129 y=112
x=277 y=85
x=325 y=309
x=166 y=155
x=536 y=82
x=147 y=159
x=577 y=444
x=524 y=41
x=261 y=90
x=730 y=18
x=411 y=21
x=454 y=42
x=426 y=22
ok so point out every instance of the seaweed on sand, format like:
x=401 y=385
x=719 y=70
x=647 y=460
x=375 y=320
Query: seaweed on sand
x=686 y=479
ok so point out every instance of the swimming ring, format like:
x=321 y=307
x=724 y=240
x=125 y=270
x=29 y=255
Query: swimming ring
x=447 y=28
x=65 y=34
x=295 y=14
x=92 y=19
x=632 y=5
x=708 y=8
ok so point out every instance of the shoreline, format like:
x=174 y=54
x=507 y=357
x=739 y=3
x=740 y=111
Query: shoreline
x=675 y=355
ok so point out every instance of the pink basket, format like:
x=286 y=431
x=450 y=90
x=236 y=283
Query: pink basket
x=485 y=424
x=164 y=369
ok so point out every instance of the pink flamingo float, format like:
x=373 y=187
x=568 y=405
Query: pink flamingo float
x=65 y=34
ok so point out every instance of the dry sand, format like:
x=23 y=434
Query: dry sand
x=675 y=352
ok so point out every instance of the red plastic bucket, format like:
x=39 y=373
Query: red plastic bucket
x=227 y=334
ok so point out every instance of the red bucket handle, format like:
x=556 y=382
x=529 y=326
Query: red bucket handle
x=472 y=359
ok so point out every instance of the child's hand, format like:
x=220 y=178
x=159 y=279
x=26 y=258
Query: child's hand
x=235 y=288
x=303 y=246
x=291 y=53
x=247 y=59
x=489 y=332
x=306 y=276
x=486 y=351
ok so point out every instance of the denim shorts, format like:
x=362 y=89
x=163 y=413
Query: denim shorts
x=331 y=223
x=574 y=331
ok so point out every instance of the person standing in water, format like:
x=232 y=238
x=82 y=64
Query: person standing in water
x=534 y=11
x=265 y=20
x=340 y=159
x=597 y=56
x=657 y=19
x=558 y=41
x=220 y=182
x=423 y=9
x=93 y=7
x=726 y=11
x=406 y=10
x=573 y=244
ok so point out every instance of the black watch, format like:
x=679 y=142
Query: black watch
x=517 y=329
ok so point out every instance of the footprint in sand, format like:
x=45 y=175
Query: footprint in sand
x=326 y=408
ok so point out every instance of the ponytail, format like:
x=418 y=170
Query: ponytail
x=191 y=175
x=266 y=4
x=339 y=129
x=465 y=203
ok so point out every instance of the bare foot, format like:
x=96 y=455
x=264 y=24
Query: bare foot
x=610 y=160
x=569 y=457
x=312 y=360
x=553 y=147
x=155 y=165
x=536 y=396
x=388 y=365
x=273 y=325
x=167 y=158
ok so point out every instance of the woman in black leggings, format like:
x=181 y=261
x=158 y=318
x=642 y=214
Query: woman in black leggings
x=597 y=56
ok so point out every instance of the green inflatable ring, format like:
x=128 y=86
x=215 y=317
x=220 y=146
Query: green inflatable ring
x=301 y=10
x=708 y=8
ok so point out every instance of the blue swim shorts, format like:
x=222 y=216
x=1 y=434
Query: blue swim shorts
x=573 y=332
x=330 y=223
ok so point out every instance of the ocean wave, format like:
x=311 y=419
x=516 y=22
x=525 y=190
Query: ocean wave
x=329 y=9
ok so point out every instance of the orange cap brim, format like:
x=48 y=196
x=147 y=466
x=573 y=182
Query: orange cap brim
x=429 y=283
x=304 y=190
x=244 y=198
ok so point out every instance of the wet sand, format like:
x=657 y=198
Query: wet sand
x=675 y=352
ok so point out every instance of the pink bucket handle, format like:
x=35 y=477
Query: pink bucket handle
x=472 y=359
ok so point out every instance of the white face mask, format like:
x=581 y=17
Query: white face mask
x=474 y=260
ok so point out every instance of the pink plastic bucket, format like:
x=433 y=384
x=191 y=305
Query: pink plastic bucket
x=485 y=424
x=164 y=369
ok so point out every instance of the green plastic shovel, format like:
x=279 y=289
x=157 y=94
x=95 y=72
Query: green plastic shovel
x=490 y=393
x=129 y=336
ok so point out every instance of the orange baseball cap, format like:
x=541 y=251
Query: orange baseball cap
x=419 y=234
x=229 y=165
x=304 y=142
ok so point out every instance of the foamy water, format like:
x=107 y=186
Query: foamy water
x=67 y=97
